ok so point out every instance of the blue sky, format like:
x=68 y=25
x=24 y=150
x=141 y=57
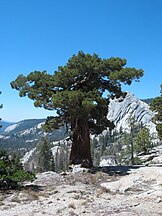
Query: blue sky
x=43 y=34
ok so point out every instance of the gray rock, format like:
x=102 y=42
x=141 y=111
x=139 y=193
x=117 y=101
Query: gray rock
x=138 y=180
x=108 y=160
x=120 y=112
x=78 y=169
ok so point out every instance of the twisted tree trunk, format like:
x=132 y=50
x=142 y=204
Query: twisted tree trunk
x=80 y=150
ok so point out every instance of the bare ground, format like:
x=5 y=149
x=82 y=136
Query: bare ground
x=118 y=191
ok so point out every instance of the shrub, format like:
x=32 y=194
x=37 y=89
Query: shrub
x=12 y=173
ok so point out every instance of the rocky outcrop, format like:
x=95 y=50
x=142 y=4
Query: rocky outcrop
x=154 y=157
x=141 y=180
x=108 y=160
x=121 y=110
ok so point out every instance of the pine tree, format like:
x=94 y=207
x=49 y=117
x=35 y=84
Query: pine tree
x=134 y=129
x=128 y=152
x=143 y=141
x=44 y=156
x=76 y=91
x=156 y=106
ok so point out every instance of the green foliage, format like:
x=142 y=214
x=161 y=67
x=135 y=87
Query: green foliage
x=143 y=141
x=125 y=157
x=137 y=140
x=108 y=144
x=19 y=142
x=12 y=173
x=77 y=89
x=76 y=92
x=159 y=129
x=123 y=145
x=156 y=106
x=134 y=129
x=137 y=160
x=45 y=158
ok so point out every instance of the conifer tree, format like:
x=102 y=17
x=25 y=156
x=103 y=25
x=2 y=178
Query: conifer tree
x=129 y=140
x=133 y=126
x=143 y=141
x=44 y=156
x=156 y=106
x=76 y=91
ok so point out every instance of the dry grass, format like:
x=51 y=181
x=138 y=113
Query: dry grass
x=32 y=195
x=101 y=191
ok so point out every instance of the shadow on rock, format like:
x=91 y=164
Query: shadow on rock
x=35 y=188
x=114 y=170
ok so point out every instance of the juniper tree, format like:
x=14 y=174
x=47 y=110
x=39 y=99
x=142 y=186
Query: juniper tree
x=156 y=106
x=79 y=92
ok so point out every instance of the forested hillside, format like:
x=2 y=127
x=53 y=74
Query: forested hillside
x=24 y=135
x=5 y=124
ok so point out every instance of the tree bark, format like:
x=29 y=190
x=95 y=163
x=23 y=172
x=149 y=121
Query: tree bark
x=80 y=150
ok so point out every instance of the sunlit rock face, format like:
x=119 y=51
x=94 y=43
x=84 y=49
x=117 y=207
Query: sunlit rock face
x=121 y=110
x=108 y=160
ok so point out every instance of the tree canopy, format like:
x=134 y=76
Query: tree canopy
x=79 y=92
x=77 y=88
x=44 y=156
